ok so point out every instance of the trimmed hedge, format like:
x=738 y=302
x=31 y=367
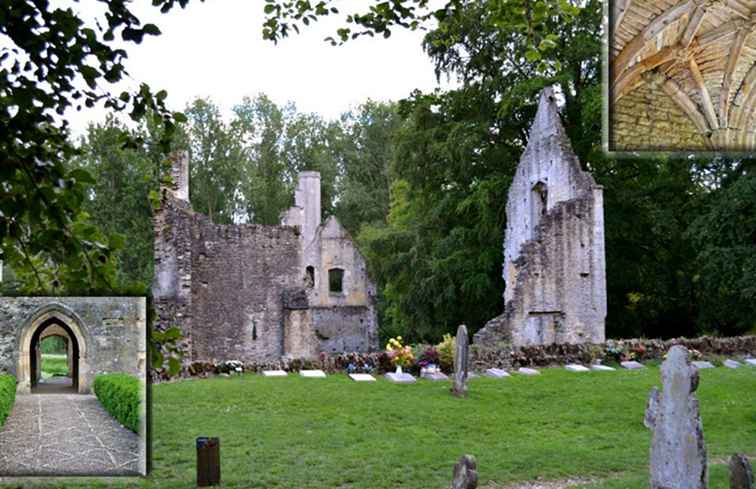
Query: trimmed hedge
x=7 y=396
x=119 y=395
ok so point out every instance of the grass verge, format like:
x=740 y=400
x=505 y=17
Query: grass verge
x=54 y=365
x=7 y=396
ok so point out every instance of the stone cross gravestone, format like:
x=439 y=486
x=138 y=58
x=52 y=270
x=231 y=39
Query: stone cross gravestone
x=461 y=350
x=741 y=475
x=465 y=473
x=678 y=454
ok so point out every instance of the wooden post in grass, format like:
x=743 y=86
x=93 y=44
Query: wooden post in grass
x=208 y=462
x=461 y=349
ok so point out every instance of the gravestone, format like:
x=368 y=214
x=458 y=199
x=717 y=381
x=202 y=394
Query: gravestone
x=465 y=475
x=362 y=377
x=313 y=374
x=741 y=475
x=732 y=363
x=274 y=373
x=400 y=378
x=652 y=405
x=528 y=371
x=699 y=365
x=751 y=361
x=461 y=350
x=632 y=365
x=435 y=376
x=496 y=373
x=574 y=367
x=602 y=368
x=678 y=454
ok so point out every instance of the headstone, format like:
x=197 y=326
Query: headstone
x=574 y=367
x=400 y=378
x=465 y=475
x=496 y=373
x=652 y=406
x=528 y=371
x=472 y=375
x=274 y=373
x=699 y=365
x=678 y=454
x=602 y=368
x=435 y=376
x=313 y=374
x=632 y=365
x=362 y=377
x=751 y=361
x=459 y=388
x=741 y=475
x=732 y=363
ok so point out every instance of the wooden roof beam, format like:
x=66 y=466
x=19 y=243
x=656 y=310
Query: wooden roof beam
x=628 y=79
x=620 y=8
x=732 y=62
x=708 y=106
x=696 y=19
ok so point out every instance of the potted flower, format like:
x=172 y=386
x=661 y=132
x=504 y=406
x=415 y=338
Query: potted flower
x=401 y=355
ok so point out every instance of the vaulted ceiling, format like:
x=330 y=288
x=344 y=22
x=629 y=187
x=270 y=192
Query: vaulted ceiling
x=683 y=75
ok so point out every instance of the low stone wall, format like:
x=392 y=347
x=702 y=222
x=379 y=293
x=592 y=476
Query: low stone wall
x=501 y=356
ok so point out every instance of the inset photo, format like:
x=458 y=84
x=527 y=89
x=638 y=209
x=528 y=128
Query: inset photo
x=682 y=76
x=73 y=386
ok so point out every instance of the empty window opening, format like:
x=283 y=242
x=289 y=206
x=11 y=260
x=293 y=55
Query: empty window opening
x=538 y=203
x=310 y=276
x=254 y=332
x=336 y=280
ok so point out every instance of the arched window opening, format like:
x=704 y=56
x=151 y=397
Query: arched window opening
x=539 y=199
x=310 y=276
x=336 y=280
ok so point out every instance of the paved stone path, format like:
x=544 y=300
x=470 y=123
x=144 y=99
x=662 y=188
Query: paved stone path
x=66 y=434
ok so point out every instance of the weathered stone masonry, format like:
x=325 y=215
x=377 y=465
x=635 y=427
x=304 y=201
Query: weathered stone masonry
x=554 y=267
x=109 y=334
x=255 y=293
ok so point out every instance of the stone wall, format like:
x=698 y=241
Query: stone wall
x=110 y=332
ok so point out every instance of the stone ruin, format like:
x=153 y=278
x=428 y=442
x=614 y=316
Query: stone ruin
x=554 y=268
x=678 y=453
x=257 y=293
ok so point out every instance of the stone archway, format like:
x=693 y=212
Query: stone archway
x=58 y=317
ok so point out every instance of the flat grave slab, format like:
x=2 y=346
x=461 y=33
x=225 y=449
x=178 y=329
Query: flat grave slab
x=496 y=373
x=472 y=375
x=700 y=365
x=751 y=361
x=313 y=374
x=732 y=363
x=435 y=376
x=574 y=367
x=528 y=371
x=403 y=378
x=632 y=365
x=603 y=368
x=274 y=373
x=362 y=377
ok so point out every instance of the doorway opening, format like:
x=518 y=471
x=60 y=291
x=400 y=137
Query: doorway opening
x=54 y=359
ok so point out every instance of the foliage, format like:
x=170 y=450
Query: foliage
x=120 y=395
x=446 y=352
x=400 y=355
x=428 y=357
x=53 y=344
x=54 y=365
x=7 y=396
x=409 y=436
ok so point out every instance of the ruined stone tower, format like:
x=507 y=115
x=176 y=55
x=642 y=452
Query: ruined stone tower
x=554 y=267
x=256 y=293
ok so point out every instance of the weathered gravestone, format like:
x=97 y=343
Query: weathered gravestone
x=702 y=364
x=751 y=361
x=461 y=350
x=528 y=371
x=400 y=378
x=678 y=454
x=741 y=475
x=632 y=365
x=362 y=377
x=496 y=373
x=602 y=368
x=574 y=367
x=652 y=406
x=312 y=374
x=274 y=373
x=732 y=363
x=465 y=473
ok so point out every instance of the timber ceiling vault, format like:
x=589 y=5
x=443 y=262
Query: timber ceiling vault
x=683 y=75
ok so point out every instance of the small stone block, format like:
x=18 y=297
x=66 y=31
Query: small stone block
x=403 y=378
x=751 y=361
x=732 y=363
x=574 y=367
x=700 y=365
x=633 y=365
x=313 y=374
x=602 y=368
x=362 y=377
x=528 y=371
x=274 y=373
x=472 y=375
x=435 y=376
x=496 y=373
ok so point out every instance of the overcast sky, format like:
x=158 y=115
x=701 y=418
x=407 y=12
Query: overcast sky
x=215 y=49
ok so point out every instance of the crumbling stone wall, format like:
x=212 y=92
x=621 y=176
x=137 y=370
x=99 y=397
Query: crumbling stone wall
x=111 y=333
x=554 y=266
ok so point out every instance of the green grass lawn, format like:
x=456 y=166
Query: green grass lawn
x=54 y=365
x=335 y=433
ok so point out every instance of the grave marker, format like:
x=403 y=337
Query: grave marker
x=602 y=368
x=528 y=371
x=574 y=367
x=699 y=365
x=313 y=374
x=732 y=363
x=274 y=373
x=400 y=378
x=461 y=349
x=496 y=373
x=362 y=377
x=632 y=365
